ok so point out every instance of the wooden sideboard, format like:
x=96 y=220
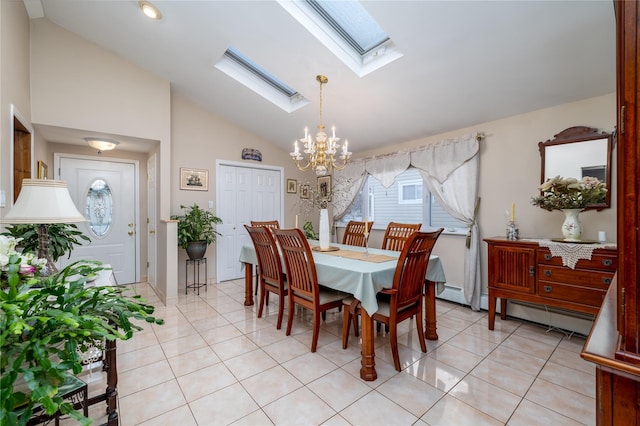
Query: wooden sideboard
x=523 y=270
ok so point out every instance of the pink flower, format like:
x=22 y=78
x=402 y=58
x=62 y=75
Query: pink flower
x=27 y=269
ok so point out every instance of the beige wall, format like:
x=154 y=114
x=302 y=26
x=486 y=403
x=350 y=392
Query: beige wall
x=79 y=85
x=510 y=172
x=199 y=139
x=14 y=84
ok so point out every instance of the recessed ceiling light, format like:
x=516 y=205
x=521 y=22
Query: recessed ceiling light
x=150 y=10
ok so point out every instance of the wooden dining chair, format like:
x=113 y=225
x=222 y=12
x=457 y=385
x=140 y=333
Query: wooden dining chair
x=405 y=294
x=354 y=233
x=397 y=234
x=302 y=280
x=271 y=224
x=271 y=278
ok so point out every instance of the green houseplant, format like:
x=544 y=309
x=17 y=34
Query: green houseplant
x=196 y=230
x=62 y=238
x=43 y=323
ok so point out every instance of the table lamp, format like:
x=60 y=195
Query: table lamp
x=42 y=202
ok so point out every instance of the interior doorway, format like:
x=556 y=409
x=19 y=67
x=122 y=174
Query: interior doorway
x=22 y=152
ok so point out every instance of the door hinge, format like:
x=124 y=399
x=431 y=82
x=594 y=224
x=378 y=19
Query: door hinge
x=622 y=301
x=147 y=264
x=622 y=120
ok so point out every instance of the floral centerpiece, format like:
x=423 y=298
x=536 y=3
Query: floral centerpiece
x=46 y=321
x=570 y=193
x=571 y=196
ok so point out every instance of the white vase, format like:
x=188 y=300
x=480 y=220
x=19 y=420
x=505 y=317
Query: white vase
x=571 y=228
x=324 y=229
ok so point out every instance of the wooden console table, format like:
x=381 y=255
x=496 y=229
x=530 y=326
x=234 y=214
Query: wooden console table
x=524 y=270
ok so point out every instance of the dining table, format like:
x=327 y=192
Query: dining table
x=363 y=273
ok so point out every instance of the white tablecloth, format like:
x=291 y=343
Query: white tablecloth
x=358 y=277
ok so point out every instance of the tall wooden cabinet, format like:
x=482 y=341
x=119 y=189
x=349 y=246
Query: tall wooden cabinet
x=614 y=342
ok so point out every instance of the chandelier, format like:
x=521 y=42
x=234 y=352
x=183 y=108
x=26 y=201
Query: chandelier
x=321 y=150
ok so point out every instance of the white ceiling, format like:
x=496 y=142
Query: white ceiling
x=464 y=63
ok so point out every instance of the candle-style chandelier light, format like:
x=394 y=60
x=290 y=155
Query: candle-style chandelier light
x=321 y=150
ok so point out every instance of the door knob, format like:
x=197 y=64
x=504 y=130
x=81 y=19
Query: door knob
x=130 y=225
x=152 y=231
x=130 y=232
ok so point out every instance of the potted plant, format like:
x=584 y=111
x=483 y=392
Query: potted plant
x=62 y=238
x=196 y=230
x=41 y=329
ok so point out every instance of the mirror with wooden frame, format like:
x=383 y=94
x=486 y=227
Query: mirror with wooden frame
x=578 y=152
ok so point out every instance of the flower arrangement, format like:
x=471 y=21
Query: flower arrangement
x=570 y=193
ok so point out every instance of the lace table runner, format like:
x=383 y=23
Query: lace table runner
x=571 y=253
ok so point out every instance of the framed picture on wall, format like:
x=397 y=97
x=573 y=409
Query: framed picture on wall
x=292 y=186
x=324 y=188
x=194 y=179
x=42 y=170
x=304 y=191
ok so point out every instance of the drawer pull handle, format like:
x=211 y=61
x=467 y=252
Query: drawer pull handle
x=606 y=280
x=607 y=262
x=547 y=273
x=547 y=256
x=548 y=288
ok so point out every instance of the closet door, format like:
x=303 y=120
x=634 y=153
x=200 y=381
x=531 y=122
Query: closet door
x=243 y=194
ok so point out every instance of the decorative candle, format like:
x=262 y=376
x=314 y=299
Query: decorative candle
x=296 y=221
x=334 y=131
x=306 y=132
x=296 y=148
x=513 y=212
x=344 y=147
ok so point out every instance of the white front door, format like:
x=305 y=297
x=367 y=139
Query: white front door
x=243 y=194
x=105 y=193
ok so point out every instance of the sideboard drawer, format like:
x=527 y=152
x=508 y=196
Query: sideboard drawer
x=583 y=277
x=601 y=262
x=571 y=293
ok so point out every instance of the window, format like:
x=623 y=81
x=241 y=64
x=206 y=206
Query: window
x=410 y=193
x=406 y=201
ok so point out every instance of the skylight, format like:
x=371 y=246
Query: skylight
x=347 y=30
x=245 y=71
x=352 y=22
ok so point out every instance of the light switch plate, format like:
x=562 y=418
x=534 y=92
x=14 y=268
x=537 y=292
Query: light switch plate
x=210 y=204
x=3 y=199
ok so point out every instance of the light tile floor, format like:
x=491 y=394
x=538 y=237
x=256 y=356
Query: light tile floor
x=215 y=363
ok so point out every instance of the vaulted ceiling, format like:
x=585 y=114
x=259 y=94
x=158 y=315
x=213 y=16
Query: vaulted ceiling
x=463 y=63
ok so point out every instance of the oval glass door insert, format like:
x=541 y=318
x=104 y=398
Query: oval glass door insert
x=99 y=208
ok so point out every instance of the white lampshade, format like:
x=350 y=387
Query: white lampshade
x=43 y=201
